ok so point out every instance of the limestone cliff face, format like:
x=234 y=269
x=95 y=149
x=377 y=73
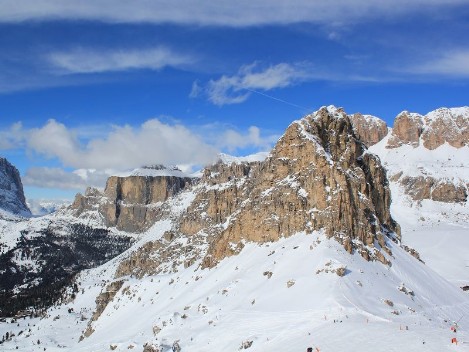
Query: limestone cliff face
x=11 y=190
x=433 y=130
x=318 y=177
x=130 y=203
x=407 y=129
x=440 y=190
x=369 y=129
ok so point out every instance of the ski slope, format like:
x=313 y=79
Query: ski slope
x=303 y=304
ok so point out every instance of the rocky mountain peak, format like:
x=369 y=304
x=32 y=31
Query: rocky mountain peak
x=370 y=129
x=129 y=202
x=317 y=177
x=11 y=190
x=444 y=125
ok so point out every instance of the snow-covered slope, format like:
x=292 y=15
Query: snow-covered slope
x=206 y=277
x=438 y=230
x=285 y=295
x=40 y=256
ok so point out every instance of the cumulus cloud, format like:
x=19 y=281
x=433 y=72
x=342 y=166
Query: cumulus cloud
x=11 y=137
x=123 y=147
x=237 y=88
x=229 y=139
x=93 y=158
x=87 y=159
x=53 y=139
x=53 y=177
x=96 y=61
x=221 y=12
x=232 y=140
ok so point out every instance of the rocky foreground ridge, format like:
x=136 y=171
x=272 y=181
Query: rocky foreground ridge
x=318 y=177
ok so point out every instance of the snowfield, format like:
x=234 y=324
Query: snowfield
x=280 y=296
x=439 y=231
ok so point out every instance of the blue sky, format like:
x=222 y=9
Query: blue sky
x=92 y=88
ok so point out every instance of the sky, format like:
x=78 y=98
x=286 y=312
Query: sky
x=94 y=88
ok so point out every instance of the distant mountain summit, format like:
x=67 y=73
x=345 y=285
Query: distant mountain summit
x=440 y=126
x=424 y=154
x=12 y=197
x=431 y=130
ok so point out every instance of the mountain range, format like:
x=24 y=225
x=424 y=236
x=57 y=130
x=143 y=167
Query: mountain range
x=348 y=235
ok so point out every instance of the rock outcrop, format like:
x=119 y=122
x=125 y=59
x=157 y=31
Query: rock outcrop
x=11 y=190
x=102 y=301
x=317 y=177
x=130 y=203
x=369 y=129
x=432 y=130
x=440 y=190
x=407 y=129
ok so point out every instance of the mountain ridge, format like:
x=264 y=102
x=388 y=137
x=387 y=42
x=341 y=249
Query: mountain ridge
x=296 y=249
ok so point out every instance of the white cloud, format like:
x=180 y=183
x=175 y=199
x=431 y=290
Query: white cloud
x=53 y=178
x=93 y=61
x=220 y=12
x=451 y=63
x=196 y=90
x=232 y=140
x=229 y=139
x=98 y=156
x=236 y=89
x=123 y=147
x=12 y=137
x=53 y=140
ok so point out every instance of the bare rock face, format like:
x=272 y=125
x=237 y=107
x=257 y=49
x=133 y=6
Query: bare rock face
x=446 y=125
x=317 y=177
x=131 y=196
x=433 y=130
x=406 y=130
x=420 y=187
x=369 y=129
x=11 y=190
x=130 y=203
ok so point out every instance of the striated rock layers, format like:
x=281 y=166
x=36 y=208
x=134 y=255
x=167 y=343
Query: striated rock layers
x=130 y=203
x=11 y=190
x=432 y=130
x=318 y=177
